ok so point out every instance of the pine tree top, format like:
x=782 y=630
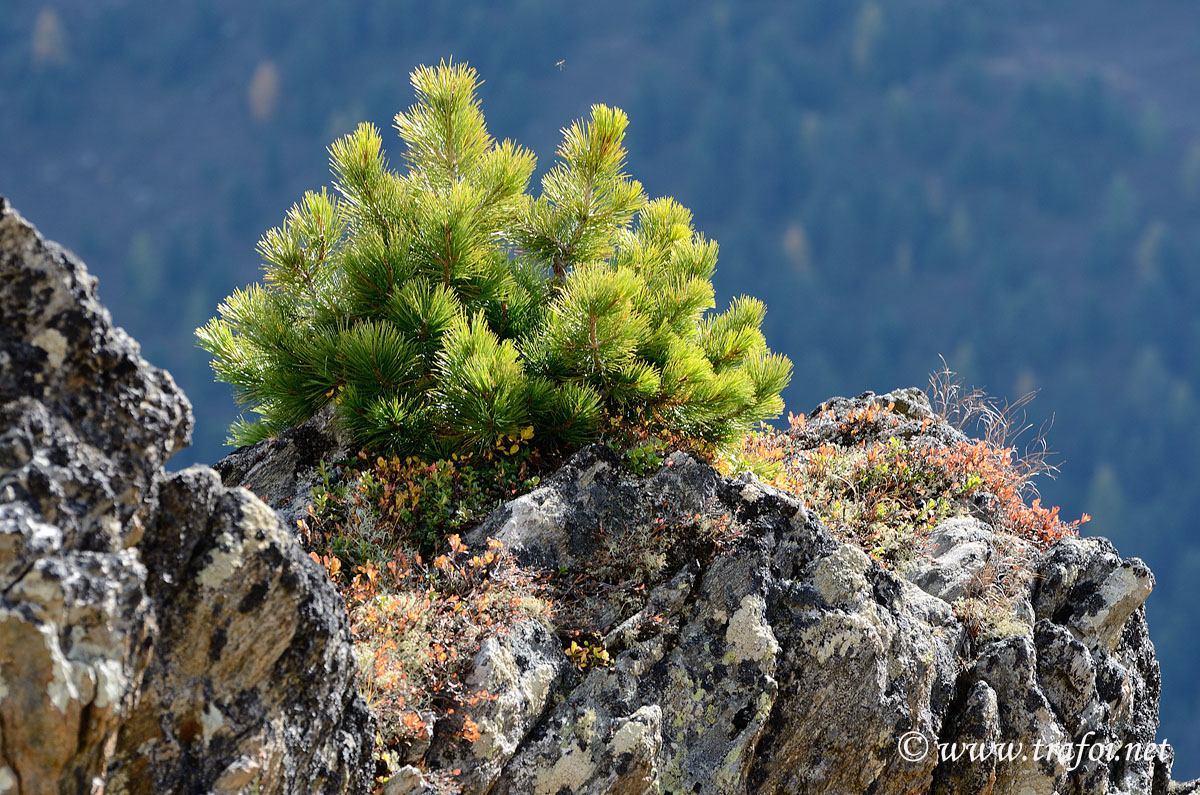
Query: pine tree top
x=445 y=308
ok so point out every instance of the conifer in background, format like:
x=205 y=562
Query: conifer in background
x=445 y=308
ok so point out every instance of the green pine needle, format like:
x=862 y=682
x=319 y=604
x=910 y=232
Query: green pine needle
x=446 y=309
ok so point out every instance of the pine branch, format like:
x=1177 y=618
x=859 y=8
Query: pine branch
x=446 y=308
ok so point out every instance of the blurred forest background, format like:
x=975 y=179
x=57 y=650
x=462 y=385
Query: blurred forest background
x=1012 y=184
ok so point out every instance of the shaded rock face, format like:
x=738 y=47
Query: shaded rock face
x=282 y=471
x=157 y=633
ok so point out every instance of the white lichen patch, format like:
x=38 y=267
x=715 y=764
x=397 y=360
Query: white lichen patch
x=110 y=682
x=838 y=635
x=43 y=596
x=52 y=341
x=535 y=522
x=521 y=695
x=639 y=733
x=538 y=683
x=211 y=720
x=748 y=635
x=572 y=770
x=497 y=668
x=227 y=558
x=588 y=477
x=65 y=678
x=258 y=528
x=8 y=779
x=585 y=727
x=751 y=493
x=840 y=577
x=259 y=521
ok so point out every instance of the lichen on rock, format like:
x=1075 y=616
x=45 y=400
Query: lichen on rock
x=158 y=633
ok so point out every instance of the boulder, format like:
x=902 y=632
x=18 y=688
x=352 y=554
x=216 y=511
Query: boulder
x=158 y=633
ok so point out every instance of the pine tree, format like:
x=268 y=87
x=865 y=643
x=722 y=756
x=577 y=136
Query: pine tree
x=445 y=308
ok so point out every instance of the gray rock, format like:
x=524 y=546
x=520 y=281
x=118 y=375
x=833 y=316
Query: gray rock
x=156 y=634
x=408 y=780
x=949 y=562
x=87 y=425
x=521 y=669
x=910 y=409
x=1083 y=584
x=60 y=350
x=253 y=682
x=794 y=659
x=794 y=663
x=282 y=470
x=1067 y=675
x=1078 y=679
x=1009 y=668
x=74 y=632
x=977 y=723
x=555 y=525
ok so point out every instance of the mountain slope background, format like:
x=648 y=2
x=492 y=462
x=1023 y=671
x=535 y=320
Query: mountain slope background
x=1011 y=185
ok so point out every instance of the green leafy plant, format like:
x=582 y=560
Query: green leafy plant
x=445 y=308
x=644 y=459
x=590 y=654
x=395 y=503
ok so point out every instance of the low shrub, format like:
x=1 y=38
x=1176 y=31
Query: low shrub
x=376 y=507
x=417 y=627
x=881 y=492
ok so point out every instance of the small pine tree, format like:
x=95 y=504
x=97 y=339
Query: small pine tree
x=445 y=308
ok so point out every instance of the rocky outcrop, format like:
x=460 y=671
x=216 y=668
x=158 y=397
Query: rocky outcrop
x=165 y=632
x=788 y=665
x=797 y=664
x=158 y=633
x=790 y=662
